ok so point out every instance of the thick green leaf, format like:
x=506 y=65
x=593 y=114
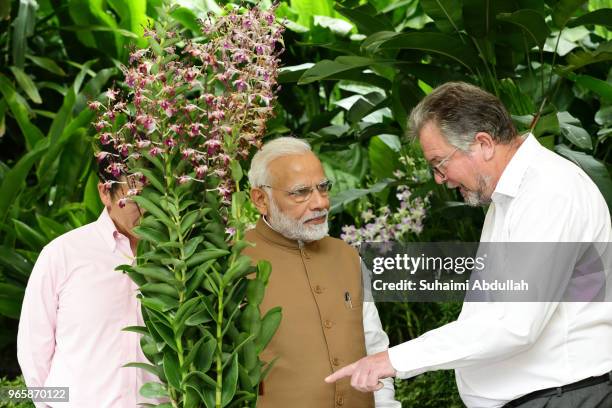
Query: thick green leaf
x=152 y=178
x=201 y=375
x=189 y=220
x=153 y=390
x=198 y=318
x=91 y=197
x=255 y=291
x=161 y=288
x=591 y=166
x=343 y=198
x=191 y=246
x=156 y=272
x=93 y=87
x=365 y=18
x=579 y=59
x=269 y=325
x=241 y=267
x=384 y=155
x=206 y=255
x=26 y=83
x=597 y=17
x=148 y=367
x=192 y=353
x=29 y=236
x=305 y=10
x=531 y=22
x=184 y=311
x=15 y=179
x=264 y=270
x=165 y=333
x=187 y=18
x=326 y=69
x=157 y=212
x=405 y=95
x=49 y=227
x=230 y=381
x=136 y=329
x=31 y=133
x=47 y=63
x=12 y=260
x=205 y=354
x=564 y=10
x=437 y=43
x=572 y=130
x=445 y=13
x=23 y=27
x=62 y=132
x=80 y=77
x=149 y=234
x=160 y=303
x=133 y=16
x=11 y=297
x=171 y=369
x=602 y=88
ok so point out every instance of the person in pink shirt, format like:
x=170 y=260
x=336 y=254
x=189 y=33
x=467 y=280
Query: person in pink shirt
x=76 y=305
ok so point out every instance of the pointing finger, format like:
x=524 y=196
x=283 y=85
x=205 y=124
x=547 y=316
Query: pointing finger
x=345 y=371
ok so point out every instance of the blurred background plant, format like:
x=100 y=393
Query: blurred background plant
x=352 y=72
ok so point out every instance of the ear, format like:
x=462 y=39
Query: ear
x=486 y=143
x=105 y=196
x=260 y=200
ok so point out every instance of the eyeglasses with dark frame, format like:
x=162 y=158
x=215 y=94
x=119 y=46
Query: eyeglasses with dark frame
x=302 y=194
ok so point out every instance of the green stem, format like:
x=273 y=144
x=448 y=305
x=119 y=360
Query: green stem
x=219 y=388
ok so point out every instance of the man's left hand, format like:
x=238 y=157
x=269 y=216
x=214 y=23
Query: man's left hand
x=366 y=372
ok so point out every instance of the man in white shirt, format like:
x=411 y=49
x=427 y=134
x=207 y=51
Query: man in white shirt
x=523 y=354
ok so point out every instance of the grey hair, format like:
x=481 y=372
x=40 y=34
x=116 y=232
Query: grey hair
x=460 y=110
x=283 y=146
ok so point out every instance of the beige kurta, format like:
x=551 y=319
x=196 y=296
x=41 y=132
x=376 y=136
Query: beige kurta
x=320 y=331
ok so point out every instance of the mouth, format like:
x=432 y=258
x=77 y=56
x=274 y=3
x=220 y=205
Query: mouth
x=318 y=220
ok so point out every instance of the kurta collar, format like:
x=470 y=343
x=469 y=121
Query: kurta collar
x=510 y=181
x=265 y=230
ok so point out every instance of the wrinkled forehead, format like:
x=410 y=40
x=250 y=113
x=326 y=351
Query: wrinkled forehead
x=296 y=170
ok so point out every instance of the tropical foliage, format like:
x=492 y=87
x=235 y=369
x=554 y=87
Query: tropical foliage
x=351 y=72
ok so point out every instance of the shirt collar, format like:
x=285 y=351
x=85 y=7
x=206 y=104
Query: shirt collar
x=512 y=176
x=108 y=230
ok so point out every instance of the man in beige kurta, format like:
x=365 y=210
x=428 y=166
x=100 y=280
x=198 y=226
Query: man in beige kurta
x=316 y=280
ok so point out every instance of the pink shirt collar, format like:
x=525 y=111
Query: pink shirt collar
x=108 y=230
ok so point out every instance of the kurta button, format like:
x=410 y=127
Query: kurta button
x=318 y=289
x=328 y=324
x=336 y=361
x=340 y=400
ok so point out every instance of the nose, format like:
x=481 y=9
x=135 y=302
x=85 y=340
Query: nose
x=439 y=178
x=318 y=201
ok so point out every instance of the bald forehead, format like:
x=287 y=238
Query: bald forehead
x=296 y=170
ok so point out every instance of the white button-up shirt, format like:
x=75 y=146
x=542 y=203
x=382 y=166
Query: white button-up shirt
x=75 y=307
x=501 y=351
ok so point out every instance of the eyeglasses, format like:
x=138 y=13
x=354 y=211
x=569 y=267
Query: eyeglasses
x=437 y=169
x=302 y=194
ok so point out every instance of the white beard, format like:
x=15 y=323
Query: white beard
x=297 y=229
x=478 y=198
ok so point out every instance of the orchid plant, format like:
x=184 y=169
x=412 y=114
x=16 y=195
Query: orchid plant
x=402 y=224
x=176 y=131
